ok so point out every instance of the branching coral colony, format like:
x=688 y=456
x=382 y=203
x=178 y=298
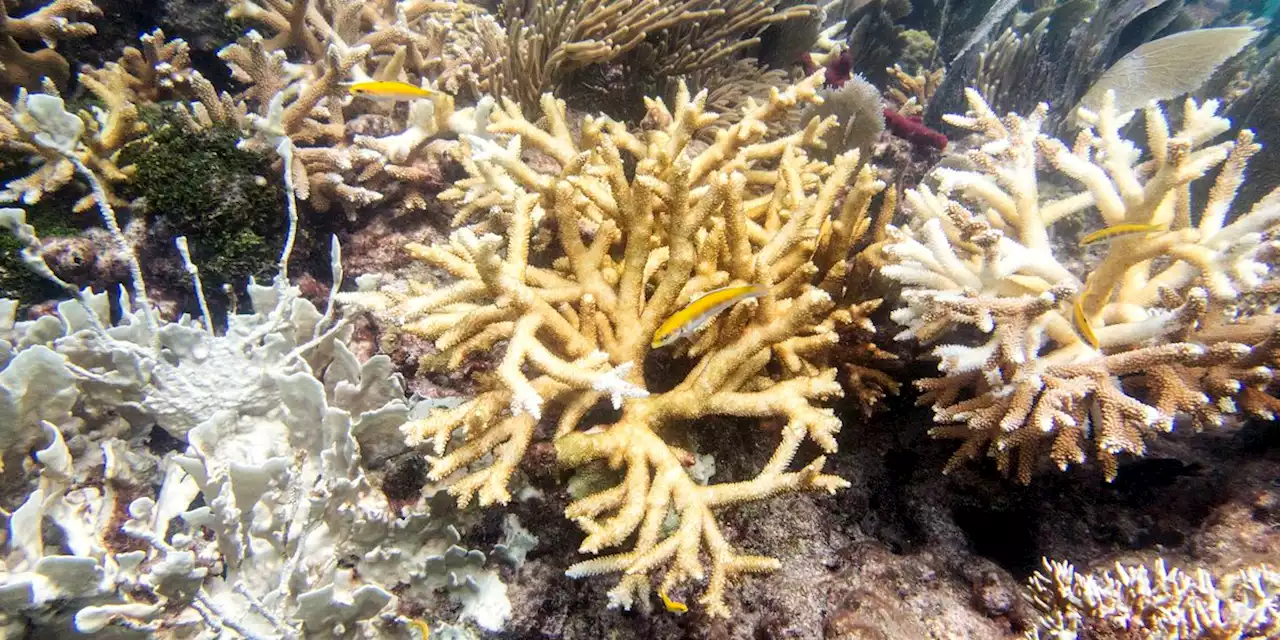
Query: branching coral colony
x=1156 y=602
x=577 y=327
x=1169 y=322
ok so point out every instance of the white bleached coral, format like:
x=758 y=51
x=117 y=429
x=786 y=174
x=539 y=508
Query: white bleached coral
x=1103 y=355
x=268 y=523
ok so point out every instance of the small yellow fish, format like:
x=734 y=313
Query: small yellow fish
x=672 y=605
x=701 y=310
x=1119 y=230
x=423 y=629
x=388 y=90
x=1083 y=326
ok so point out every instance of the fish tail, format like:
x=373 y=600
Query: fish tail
x=1082 y=324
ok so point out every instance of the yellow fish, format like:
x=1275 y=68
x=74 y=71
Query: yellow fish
x=423 y=629
x=388 y=90
x=1119 y=230
x=701 y=310
x=672 y=605
x=1083 y=326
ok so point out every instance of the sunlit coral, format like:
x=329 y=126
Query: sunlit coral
x=55 y=21
x=574 y=270
x=1142 y=601
x=1093 y=354
x=159 y=70
x=353 y=153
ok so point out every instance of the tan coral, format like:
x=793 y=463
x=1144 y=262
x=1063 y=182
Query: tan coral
x=353 y=153
x=910 y=94
x=624 y=253
x=55 y=21
x=161 y=70
x=1169 y=307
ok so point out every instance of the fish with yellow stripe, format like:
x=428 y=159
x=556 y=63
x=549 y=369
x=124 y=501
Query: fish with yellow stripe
x=1119 y=230
x=1083 y=326
x=388 y=90
x=702 y=310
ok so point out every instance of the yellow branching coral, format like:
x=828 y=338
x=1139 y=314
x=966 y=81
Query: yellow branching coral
x=57 y=20
x=628 y=247
x=160 y=70
x=1170 y=321
x=910 y=94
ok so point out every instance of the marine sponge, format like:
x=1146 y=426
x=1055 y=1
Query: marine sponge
x=624 y=249
x=1095 y=354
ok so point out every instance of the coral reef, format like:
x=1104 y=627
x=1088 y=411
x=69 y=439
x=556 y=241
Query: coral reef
x=549 y=40
x=860 y=111
x=575 y=269
x=1156 y=601
x=56 y=20
x=1062 y=52
x=159 y=70
x=1171 y=321
x=353 y=153
x=270 y=522
x=910 y=94
x=199 y=184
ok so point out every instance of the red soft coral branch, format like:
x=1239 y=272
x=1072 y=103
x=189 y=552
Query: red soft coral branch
x=913 y=130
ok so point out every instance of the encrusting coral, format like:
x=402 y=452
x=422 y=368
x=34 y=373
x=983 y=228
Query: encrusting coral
x=1100 y=354
x=574 y=271
x=1156 y=602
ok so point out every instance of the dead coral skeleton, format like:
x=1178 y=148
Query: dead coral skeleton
x=625 y=253
x=1160 y=327
x=1154 y=602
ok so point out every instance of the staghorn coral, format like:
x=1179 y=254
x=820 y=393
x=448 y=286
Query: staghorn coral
x=910 y=94
x=1095 y=355
x=729 y=86
x=57 y=20
x=574 y=270
x=1137 y=601
x=160 y=70
x=354 y=153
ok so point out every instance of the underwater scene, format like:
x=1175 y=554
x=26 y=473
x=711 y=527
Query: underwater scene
x=640 y=319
